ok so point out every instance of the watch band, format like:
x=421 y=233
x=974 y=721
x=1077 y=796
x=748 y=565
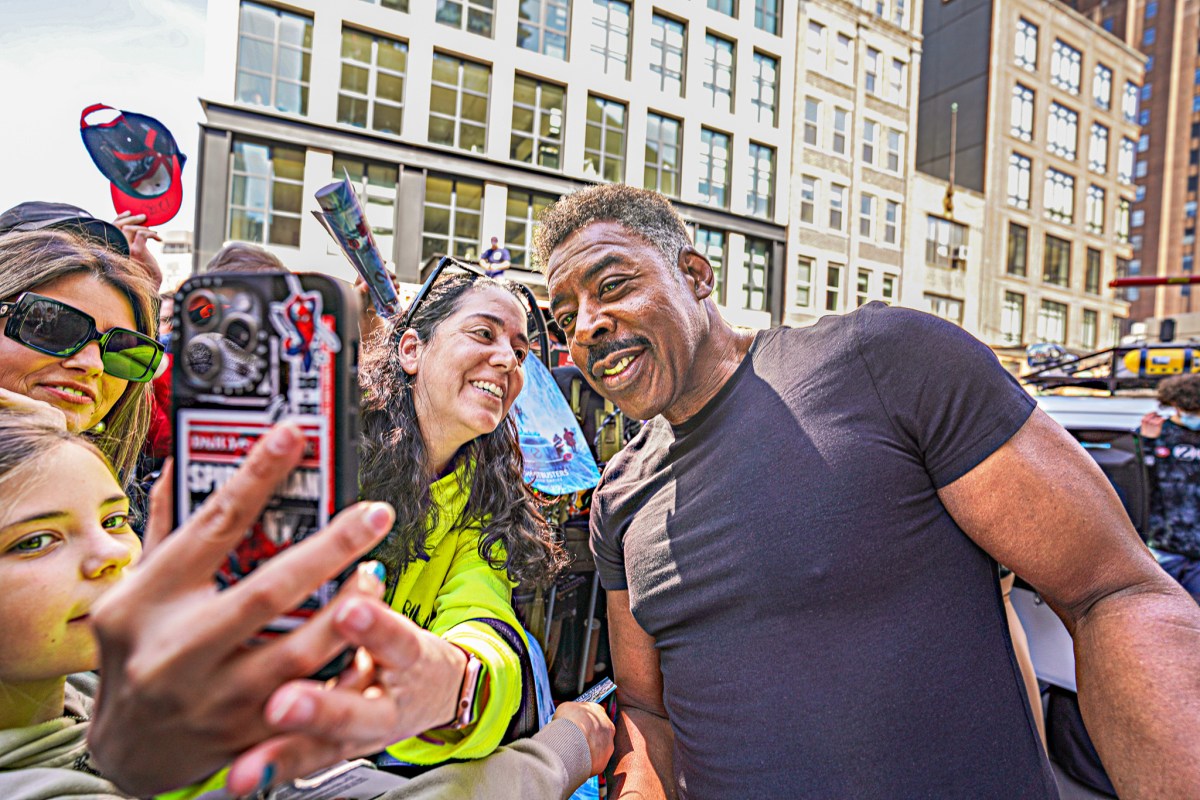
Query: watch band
x=465 y=710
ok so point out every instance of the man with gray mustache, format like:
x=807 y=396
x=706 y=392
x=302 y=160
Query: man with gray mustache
x=799 y=549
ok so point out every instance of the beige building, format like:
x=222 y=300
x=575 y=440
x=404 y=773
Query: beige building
x=855 y=118
x=1047 y=131
x=459 y=120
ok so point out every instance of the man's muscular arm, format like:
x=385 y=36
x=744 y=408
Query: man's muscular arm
x=641 y=765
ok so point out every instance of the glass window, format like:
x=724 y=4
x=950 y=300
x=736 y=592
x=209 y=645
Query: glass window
x=894 y=146
x=1052 y=322
x=610 y=36
x=944 y=240
x=842 y=58
x=274 y=58
x=544 y=26
x=808 y=198
x=1022 y=112
x=1102 y=86
x=1026 y=44
x=1059 y=196
x=718 y=71
x=1125 y=158
x=833 y=287
x=891 y=221
x=1062 y=131
x=537 y=122
x=1018 y=249
x=1019 y=168
x=714 y=168
x=896 y=88
x=804 y=281
x=948 y=308
x=866 y=216
x=371 y=94
x=1056 y=264
x=663 y=156
x=728 y=7
x=1094 y=213
x=375 y=183
x=468 y=15
x=1091 y=275
x=812 y=121
x=1098 y=149
x=1148 y=36
x=266 y=193
x=841 y=127
x=869 y=141
x=898 y=12
x=758 y=271
x=395 y=5
x=815 y=44
x=710 y=243
x=837 y=206
x=1064 y=66
x=888 y=290
x=1091 y=323
x=520 y=220
x=1012 y=319
x=604 y=142
x=765 y=82
x=862 y=287
x=871 y=70
x=453 y=208
x=1129 y=102
x=1122 y=226
x=458 y=103
x=666 y=53
x=766 y=16
x=760 y=199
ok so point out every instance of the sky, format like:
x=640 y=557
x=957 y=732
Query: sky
x=59 y=56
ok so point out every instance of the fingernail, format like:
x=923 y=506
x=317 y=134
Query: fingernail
x=280 y=439
x=379 y=517
x=355 y=616
x=264 y=783
x=294 y=709
x=371 y=576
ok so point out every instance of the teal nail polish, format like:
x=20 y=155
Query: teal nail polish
x=264 y=783
x=379 y=572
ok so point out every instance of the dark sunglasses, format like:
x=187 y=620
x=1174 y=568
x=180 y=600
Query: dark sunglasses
x=57 y=329
x=535 y=319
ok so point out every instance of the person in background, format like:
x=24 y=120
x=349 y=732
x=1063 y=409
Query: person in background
x=79 y=323
x=244 y=257
x=495 y=260
x=1173 y=451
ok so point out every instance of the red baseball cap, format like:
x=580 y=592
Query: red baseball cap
x=139 y=157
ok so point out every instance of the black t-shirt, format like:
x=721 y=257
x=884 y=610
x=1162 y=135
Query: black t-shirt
x=1174 y=525
x=824 y=627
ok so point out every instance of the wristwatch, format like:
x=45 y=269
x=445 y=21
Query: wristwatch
x=472 y=674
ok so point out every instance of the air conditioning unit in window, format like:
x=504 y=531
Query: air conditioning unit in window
x=960 y=252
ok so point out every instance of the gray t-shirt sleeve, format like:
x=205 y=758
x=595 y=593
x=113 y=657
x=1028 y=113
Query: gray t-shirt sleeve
x=942 y=389
x=606 y=542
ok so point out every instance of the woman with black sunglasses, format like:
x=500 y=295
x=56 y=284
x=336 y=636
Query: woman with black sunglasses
x=77 y=332
x=441 y=447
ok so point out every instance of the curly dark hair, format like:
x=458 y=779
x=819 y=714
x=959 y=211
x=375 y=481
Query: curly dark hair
x=647 y=214
x=514 y=535
x=1181 y=392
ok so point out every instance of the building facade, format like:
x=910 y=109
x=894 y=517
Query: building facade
x=460 y=120
x=855 y=118
x=1168 y=151
x=1047 y=132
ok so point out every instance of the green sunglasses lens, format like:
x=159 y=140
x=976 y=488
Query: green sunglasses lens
x=130 y=356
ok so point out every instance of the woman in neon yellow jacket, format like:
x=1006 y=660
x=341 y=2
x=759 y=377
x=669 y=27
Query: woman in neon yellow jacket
x=440 y=446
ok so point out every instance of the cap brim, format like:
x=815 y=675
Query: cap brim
x=158 y=208
x=97 y=230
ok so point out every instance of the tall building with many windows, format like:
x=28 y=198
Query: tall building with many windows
x=855 y=117
x=459 y=120
x=1167 y=165
x=1047 y=131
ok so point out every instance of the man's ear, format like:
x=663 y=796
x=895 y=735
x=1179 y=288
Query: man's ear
x=697 y=272
x=410 y=348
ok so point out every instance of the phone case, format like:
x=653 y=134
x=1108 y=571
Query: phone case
x=250 y=350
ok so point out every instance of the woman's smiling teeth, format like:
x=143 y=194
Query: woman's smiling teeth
x=619 y=367
x=71 y=390
x=489 y=387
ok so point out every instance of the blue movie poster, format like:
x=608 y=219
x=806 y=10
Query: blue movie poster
x=557 y=458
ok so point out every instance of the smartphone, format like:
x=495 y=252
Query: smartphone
x=250 y=350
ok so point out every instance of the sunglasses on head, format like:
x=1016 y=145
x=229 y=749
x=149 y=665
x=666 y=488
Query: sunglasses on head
x=537 y=322
x=57 y=329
